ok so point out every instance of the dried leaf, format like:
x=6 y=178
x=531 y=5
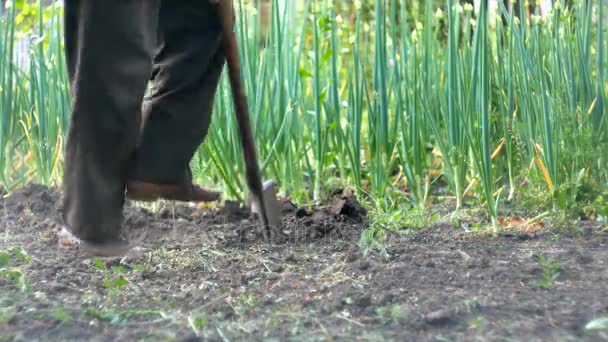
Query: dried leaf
x=520 y=225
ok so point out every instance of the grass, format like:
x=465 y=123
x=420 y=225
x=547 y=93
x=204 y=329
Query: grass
x=433 y=100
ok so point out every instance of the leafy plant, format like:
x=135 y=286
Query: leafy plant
x=61 y=314
x=197 y=323
x=550 y=270
x=114 y=277
x=389 y=314
x=14 y=274
x=372 y=239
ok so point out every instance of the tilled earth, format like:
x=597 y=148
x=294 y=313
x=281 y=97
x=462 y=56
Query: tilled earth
x=206 y=275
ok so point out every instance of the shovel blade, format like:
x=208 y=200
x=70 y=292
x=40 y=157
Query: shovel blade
x=272 y=205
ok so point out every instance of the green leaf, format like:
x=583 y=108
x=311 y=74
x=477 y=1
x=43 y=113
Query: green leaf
x=304 y=74
x=4 y=259
x=17 y=3
x=325 y=23
x=61 y=314
x=120 y=282
x=326 y=56
x=119 y=269
x=107 y=283
x=99 y=264
x=200 y=322
x=332 y=126
x=12 y=274
x=328 y=158
x=20 y=254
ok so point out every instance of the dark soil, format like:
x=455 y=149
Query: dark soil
x=207 y=275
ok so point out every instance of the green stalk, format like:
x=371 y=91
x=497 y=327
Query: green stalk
x=7 y=98
x=410 y=148
x=318 y=114
x=457 y=145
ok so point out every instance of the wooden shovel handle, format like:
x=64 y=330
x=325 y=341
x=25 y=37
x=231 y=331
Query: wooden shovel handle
x=241 y=108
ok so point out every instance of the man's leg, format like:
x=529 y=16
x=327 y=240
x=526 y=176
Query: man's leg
x=109 y=48
x=177 y=112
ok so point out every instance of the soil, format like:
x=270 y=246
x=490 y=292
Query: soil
x=205 y=274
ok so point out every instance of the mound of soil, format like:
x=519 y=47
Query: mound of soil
x=207 y=275
x=228 y=226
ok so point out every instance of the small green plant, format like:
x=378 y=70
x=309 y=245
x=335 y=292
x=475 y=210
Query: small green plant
x=598 y=209
x=14 y=273
x=61 y=314
x=392 y=215
x=248 y=299
x=197 y=323
x=550 y=270
x=114 y=277
x=372 y=239
x=388 y=314
x=477 y=322
x=390 y=212
x=243 y=303
x=340 y=246
x=562 y=220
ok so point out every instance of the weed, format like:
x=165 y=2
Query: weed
x=372 y=239
x=563 y=221
x=392 y=216
x=476 y=322
x=550 y=270
x=248 y=299
x=61 y=314
x=598 y=209
x=456 y=221
x=114 y=277
x=4 y=258
x=340 y=246
x=390 y=314
x=390 y=213
x=14 y=274
x=20 y=254
x=197 y=323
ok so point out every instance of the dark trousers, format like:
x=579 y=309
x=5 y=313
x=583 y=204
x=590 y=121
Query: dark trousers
x=117 y=132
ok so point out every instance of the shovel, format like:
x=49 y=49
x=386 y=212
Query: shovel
x=263 y=196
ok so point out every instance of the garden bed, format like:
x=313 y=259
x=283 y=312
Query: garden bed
x=206 y=273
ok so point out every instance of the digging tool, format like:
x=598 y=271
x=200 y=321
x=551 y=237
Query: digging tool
x=263 y=196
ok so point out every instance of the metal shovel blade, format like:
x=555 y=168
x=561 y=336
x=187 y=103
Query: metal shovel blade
x=271 y=204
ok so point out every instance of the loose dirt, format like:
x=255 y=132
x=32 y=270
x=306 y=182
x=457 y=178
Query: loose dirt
x=206 y=275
